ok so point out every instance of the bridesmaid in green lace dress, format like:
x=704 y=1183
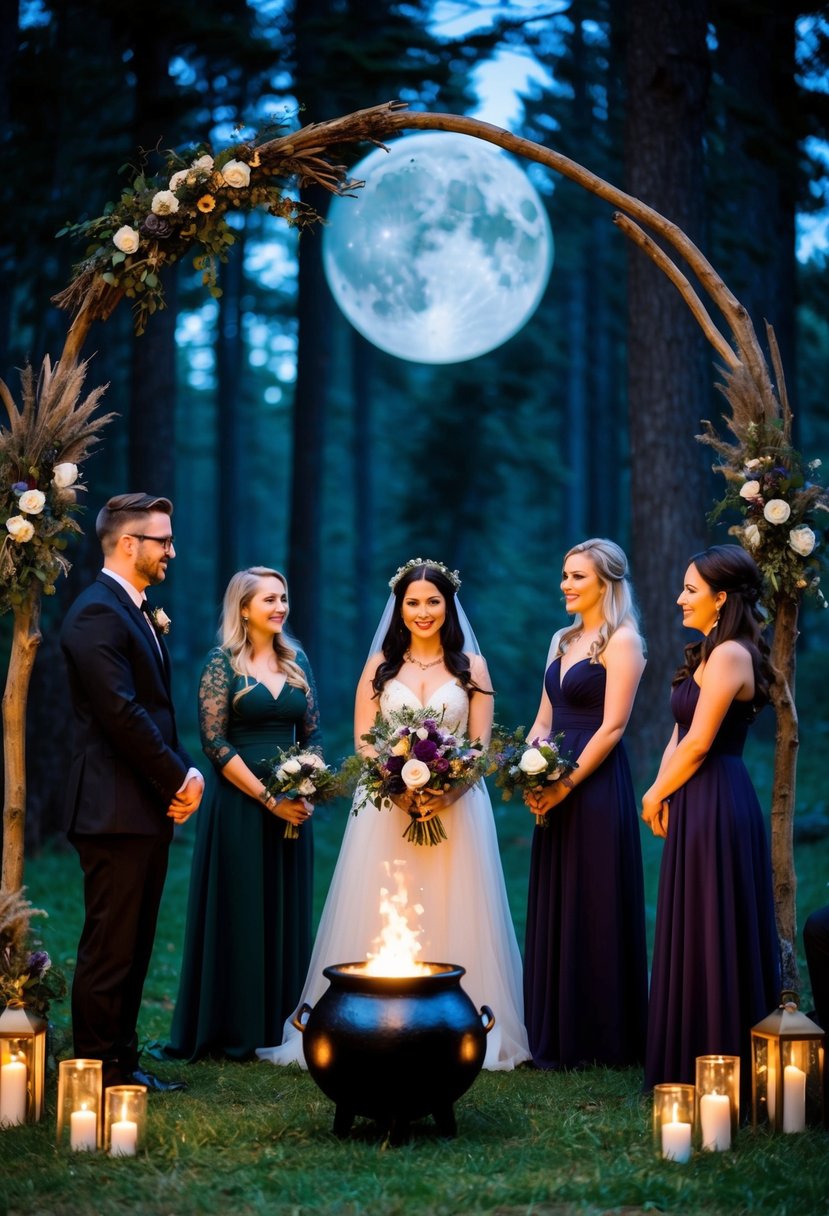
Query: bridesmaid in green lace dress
x=248 y=938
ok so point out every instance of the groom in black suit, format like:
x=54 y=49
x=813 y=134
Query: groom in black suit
x=130 y=779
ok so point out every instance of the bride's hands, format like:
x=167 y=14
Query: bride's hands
x=293 y=810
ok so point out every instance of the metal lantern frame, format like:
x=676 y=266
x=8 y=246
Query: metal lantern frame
x=787 y=1062
x=23 y=1040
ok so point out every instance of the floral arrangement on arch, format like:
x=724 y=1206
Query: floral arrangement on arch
x=784 y=507
x=48 y=437
x=157 y=219
x=785 y=511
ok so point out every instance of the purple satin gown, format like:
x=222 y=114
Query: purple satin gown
x=715 y=964
x=585 y=964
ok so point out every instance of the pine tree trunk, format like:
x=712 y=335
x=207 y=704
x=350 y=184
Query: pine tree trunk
x=783 y=660
x=25 y=641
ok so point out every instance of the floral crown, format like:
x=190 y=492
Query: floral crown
x=452 y=575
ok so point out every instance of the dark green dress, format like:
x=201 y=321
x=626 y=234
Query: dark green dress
x=248 y=939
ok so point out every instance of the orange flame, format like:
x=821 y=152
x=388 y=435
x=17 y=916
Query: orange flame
x=397 y=945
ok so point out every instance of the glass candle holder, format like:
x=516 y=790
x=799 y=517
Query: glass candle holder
x=787 y=1070
x=718 y=1101
x=125 y=1119
x=80 y=1122
x=673 y=1121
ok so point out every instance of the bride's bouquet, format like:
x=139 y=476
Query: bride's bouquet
x=415 y=753
x=301 y=772
x=522 y=764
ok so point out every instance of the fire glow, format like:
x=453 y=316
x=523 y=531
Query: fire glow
x=397 y=945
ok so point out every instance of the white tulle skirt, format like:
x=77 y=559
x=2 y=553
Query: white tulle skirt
x=465 y=916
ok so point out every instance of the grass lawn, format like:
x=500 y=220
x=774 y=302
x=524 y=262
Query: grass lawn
x=251 y=1138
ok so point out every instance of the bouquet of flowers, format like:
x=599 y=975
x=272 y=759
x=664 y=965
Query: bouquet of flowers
x=416 y=753
x=27 y=977
x=523 y=764
x=301 y=772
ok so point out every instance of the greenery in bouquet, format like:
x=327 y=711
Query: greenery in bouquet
x=27 y=978
x=784 y=508
x=521 y=764
x=416 y=755
x=158 y=219
x=301 y=772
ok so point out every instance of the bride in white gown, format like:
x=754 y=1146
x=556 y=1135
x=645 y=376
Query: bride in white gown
x=429 y=657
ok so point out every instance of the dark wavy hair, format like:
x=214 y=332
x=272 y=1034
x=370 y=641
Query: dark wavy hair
x=730 y=569
x=398 y=638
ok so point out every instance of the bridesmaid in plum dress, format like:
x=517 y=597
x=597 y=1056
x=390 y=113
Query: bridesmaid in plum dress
x=585 y=964
x=715 y=965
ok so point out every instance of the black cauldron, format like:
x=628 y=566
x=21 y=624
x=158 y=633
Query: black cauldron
x=394 y=1048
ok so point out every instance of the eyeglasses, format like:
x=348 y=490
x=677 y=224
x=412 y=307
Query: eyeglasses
x=166 y=542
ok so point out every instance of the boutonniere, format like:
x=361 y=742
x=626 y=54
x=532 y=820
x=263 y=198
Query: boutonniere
x=160 y=619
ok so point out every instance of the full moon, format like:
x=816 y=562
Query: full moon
x=444 y=254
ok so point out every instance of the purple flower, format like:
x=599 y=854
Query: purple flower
x=396 y=785
x=394 y=764
x=425 y=750
x=430 y=723
x=20 y=487
x=38 y=963
x=156 y=227
x=440 y=765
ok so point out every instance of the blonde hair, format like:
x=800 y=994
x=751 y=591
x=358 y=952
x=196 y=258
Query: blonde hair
x=618 y=607
x=233 y=636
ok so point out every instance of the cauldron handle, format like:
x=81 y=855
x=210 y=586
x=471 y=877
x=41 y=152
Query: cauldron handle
x=297 y=1021
x=486 y=1012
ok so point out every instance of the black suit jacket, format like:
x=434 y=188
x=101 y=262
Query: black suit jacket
x=127 y=762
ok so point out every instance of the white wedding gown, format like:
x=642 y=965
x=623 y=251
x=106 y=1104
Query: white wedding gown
x=459 y=883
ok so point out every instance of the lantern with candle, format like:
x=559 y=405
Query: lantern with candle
x=718 y=1101
x=22 y=1066
x=126 y=1119
x=673 y=1121
x=79 y=1105
x=787 y=1070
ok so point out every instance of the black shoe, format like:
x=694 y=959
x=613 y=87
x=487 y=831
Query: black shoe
x=154 y=1083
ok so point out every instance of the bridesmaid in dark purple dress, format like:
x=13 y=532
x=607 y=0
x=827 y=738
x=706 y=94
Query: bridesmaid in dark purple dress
x=585 y=962
x=715 y=965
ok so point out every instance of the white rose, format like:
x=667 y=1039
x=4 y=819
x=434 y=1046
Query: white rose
x=753 y=464
x=290 y=768
x=236 y=173
x=20 y=529
x=126 y=239
x=802 y=539
x=178 y=179
x=312 y=759
x=64 y=475
x=165 y=203
x=422 y=732
x=32 y=502
x=751 y=535
x=751 y=489
x=777 y=511
x=306 y=788
x=416 y=774
x=532 y=762
x=204 y=163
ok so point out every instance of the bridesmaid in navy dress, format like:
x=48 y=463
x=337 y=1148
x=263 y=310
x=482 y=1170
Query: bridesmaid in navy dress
x=715 y=965
x=585 y=965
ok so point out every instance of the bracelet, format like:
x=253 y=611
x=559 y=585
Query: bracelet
x=267 y=799
x=567 y=783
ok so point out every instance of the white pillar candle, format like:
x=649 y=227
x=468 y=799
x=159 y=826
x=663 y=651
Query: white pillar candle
x=83 y=1130
x=123 y=1138
x=794 y=1099
x=715 y=1118
x=13 y=1077
x=676 y=1141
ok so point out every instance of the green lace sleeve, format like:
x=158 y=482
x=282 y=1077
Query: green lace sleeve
x=310 y=734
x=215 y=693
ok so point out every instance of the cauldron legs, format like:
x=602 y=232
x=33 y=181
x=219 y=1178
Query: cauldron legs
x=444 y=1117
x=343 y=1119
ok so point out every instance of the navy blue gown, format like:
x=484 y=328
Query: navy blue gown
x=585 y=964
x=715 y=966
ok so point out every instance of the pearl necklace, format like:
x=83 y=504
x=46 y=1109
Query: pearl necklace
x=423 y=666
